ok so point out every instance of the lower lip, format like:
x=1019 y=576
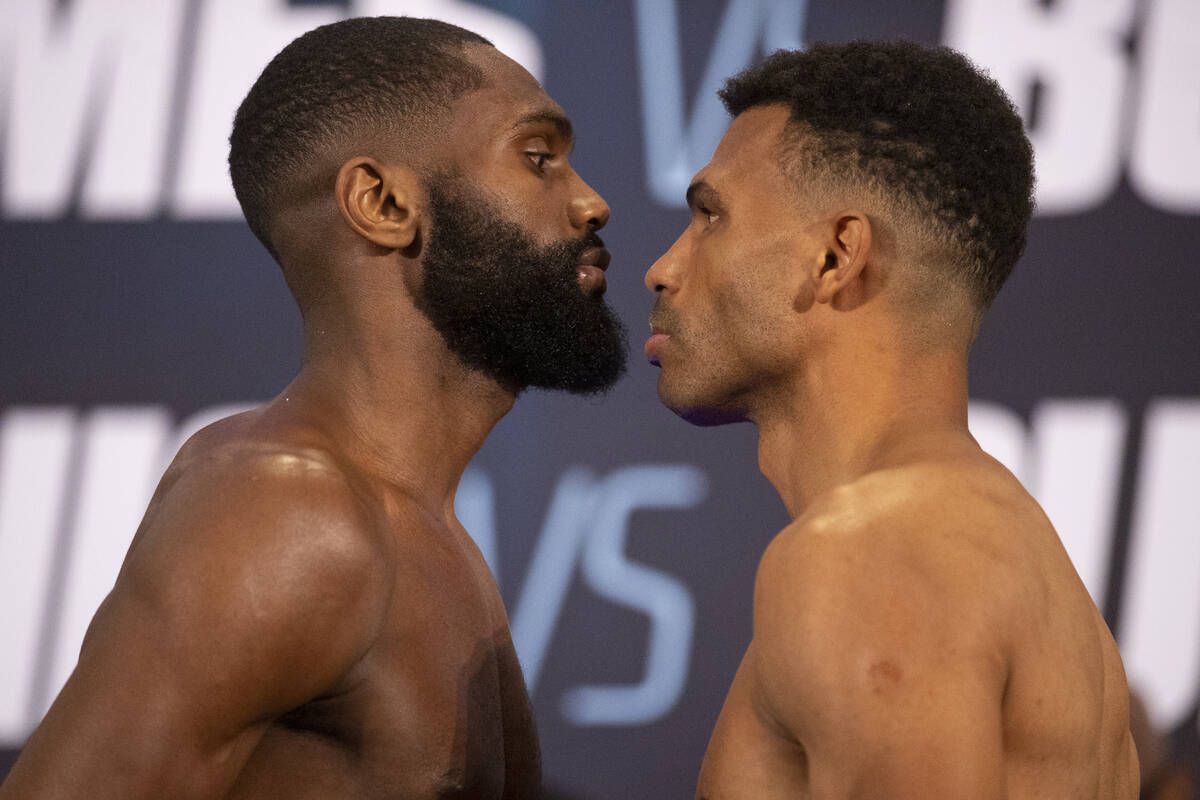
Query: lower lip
x=591 y=279
x=653 y=345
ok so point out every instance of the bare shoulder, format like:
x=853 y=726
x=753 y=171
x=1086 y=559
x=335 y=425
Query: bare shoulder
x=235 y=491
x=881 y=621
x=256 y=583
x=915 y=628
x=915 y=537
x=265 y=543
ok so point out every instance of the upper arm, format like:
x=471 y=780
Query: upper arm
x=882 y=667
x=250 y=590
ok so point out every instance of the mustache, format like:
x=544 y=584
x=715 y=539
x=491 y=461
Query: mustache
x=591 y=240
x=663 y=317
x=567 y=252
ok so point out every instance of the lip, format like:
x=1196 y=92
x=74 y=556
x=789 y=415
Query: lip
x=654 y=345
x=590 y=273
x=595 y=257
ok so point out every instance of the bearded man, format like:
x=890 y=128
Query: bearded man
x=300 y=614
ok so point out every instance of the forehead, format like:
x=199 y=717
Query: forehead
x=509 y=97
x=746 y=162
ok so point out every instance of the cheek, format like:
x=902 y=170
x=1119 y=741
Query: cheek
x=539 y=206
x=753 y=318
x=738 y=302
x=736 y=291
x=533 y=213
x=714 y=337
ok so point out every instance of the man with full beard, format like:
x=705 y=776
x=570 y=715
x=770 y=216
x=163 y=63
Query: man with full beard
x=300 y=614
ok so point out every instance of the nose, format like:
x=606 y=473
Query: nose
x=663 y=273
x=587 y=208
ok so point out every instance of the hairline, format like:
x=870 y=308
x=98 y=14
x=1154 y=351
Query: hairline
x=816 y=184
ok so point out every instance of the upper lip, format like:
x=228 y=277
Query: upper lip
x=595 y=257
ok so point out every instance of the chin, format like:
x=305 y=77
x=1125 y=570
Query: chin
x=710 y=417
x=697 y=411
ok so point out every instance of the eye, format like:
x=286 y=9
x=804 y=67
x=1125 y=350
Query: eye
x=709 y=216
x=539 y=158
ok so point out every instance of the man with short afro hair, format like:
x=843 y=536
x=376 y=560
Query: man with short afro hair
x=952 y=152
x=301 y=614
x=919 y=631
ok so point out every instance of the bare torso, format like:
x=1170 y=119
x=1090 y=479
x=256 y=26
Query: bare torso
x=1060 y=705
x=287 y=625
x=437 y=707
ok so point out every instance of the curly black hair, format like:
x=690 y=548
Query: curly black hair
x=354 y=78
x=923 y=125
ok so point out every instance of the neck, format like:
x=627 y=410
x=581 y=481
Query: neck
x=390 y=398
x=842 y=420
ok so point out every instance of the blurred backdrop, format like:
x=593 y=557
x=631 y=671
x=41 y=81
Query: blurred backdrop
x=135 y=306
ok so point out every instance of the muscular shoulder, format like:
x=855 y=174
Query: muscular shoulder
x=257 y=583
x=901 y=576
x=944 y=518
x=271 y=548
x=239 y=494
x=881 y=639
x=925 y=529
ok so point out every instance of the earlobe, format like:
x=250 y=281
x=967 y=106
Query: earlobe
x=845 y=255
x=378 y=202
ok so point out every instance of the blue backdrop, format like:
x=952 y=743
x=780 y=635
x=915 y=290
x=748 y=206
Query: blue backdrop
x=135 y=306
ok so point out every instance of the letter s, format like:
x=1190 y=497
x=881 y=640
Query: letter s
x=661 y=597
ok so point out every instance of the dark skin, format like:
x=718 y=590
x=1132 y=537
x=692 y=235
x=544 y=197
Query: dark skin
x=300 y=614
x=919 y=631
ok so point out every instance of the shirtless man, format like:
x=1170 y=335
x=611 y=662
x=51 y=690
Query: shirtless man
x=919 y=631
x=300 y=614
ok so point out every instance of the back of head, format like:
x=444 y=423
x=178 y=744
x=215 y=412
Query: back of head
x=337 y=87
x=920 y=127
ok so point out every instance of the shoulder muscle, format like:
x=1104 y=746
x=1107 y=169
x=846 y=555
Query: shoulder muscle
x=872 y=649
x=261 y=556
x=257 y=581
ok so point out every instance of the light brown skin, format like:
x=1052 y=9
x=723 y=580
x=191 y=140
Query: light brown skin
x=919 y=631
x=300 y=614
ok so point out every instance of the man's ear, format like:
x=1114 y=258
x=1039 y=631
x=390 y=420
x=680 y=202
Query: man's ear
x=379 y=202
x=842 y=260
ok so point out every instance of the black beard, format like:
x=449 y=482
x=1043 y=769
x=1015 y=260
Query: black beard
x=509 y=308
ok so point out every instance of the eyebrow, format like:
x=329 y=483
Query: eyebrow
x=701 y=192
x=556 y=119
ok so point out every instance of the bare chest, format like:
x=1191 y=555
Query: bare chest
x=436 y=709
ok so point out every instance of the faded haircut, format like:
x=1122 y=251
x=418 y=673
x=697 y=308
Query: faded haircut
x=920 y=126
x=338 y=83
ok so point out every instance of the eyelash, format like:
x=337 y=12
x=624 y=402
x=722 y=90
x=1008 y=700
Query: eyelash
x=539 y=159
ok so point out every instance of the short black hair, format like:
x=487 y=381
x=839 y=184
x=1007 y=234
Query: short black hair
x=921 y=124
x=365 y=75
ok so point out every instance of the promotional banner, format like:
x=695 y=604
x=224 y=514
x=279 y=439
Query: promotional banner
x=136 y=307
